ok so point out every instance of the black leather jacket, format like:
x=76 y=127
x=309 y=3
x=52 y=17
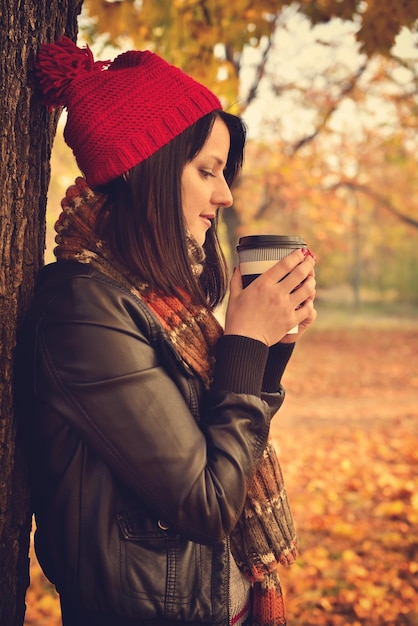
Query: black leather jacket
x=139 y=475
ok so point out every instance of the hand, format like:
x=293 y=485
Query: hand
x=274 y=302
x=304 y=325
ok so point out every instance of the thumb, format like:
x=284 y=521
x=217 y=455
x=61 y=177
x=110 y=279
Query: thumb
x=236 y=283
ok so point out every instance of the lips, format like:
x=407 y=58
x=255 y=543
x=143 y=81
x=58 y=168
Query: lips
x=208 y=219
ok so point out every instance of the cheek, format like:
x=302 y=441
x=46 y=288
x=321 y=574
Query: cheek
x=185 y=190
x=190 y=196
x=188 y=213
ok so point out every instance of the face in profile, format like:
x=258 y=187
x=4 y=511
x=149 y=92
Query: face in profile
x=203 y=185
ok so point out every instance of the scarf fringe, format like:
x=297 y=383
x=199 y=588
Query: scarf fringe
x=268 y=603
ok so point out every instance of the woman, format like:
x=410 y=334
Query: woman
x=149 y=432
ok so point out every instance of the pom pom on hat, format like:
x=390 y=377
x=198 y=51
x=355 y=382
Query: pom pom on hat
x=120 y=112
x=58 y=64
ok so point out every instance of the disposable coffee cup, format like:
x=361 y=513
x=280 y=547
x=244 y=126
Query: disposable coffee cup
x=257 y=253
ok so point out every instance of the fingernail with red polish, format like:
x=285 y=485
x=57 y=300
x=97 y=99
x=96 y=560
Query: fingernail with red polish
x=306 y=252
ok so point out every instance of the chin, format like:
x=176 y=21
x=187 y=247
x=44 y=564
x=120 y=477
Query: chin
x=200 y=239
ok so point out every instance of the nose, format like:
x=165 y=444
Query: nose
x=222 y=196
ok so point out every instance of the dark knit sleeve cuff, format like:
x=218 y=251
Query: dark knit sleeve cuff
x=278 y=357
x=240 y=364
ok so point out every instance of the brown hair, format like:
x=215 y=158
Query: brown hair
x=142 y=220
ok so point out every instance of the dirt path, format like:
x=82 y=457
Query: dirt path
x=352 y=374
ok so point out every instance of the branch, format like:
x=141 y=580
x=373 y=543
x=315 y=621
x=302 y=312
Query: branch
x=259 y=72
x=252 y=93
x=344 y=92
x=379 y=198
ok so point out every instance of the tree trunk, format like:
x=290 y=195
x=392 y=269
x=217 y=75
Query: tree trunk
x=26 y=138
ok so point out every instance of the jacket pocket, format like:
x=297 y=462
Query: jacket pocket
x=170 y=577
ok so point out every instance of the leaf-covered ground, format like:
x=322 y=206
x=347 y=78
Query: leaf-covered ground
x=348 y=436
x=348 y=441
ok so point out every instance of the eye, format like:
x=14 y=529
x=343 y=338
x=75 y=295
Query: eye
x=207 y=173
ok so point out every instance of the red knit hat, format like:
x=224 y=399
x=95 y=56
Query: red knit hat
x=120 y=112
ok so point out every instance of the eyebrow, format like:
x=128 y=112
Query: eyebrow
x=217 y=159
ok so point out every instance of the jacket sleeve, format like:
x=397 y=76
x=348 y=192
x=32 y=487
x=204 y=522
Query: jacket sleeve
x=99 y=370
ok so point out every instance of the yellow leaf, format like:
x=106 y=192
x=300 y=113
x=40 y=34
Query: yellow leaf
x=393 y=509
x=342 y=529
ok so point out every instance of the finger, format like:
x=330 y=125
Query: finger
x=288 y=265
x=299 y=276
x=235 y=285
x=306 y=313
x=304 y=291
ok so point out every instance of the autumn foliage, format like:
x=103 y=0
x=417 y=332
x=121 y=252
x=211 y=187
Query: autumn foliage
x=347 y=436
x=207 y=39
x=164 y=21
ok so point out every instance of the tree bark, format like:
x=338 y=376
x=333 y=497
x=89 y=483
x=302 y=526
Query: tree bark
x=26 y=137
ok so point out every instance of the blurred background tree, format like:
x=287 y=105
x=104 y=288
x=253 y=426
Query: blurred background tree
x=329 y=92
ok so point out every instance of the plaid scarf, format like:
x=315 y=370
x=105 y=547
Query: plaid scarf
x=264 y=535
